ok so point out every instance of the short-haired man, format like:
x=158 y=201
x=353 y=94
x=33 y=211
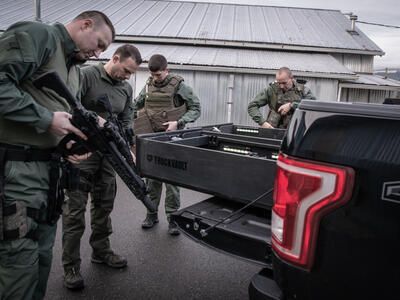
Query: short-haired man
x=166 y=103
x=282 y=97
x=32 y=122
x=99 y=83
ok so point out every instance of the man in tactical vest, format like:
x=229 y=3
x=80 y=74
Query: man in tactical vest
x=282 y=97
x=106 y=92
x=32 y=122
x=164 y=104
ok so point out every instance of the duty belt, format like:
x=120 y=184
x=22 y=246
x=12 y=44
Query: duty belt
x=20 y=153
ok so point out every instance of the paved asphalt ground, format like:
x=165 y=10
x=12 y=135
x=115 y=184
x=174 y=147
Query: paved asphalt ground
x=159 y=266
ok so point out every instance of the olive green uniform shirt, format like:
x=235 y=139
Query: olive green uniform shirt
x=184 y=95
x=25 y=48
x=265 y=97
x=96 y=83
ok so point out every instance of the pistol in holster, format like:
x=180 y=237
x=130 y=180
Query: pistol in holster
x=63 y=175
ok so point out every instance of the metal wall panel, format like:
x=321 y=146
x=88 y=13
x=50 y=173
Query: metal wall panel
x=211 y=87
x=366 y=96
x=140 y=81
x=323 y=89
x=378 y=96
x=356 y=62
x=354 y=95
x=213 y=91
x=246 y=87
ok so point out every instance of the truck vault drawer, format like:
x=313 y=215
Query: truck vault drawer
x=235 y=167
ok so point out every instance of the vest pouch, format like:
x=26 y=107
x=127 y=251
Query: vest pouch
x=286 y=120
x=157 y=119
x=274 y=118
x=142 y=123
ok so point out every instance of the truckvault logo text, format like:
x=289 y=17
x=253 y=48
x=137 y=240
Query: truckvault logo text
x=167 y=162
x=391 y=191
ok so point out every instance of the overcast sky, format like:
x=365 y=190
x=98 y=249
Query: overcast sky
x=383 y=11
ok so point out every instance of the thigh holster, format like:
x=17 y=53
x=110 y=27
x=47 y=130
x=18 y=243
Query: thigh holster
x=14 y=222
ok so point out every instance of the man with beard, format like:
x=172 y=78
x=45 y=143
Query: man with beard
x=32 y=122
x=102 y=86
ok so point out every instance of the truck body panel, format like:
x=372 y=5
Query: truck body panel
x=357 y=244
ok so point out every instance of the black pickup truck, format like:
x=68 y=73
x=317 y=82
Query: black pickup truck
x=332 y=230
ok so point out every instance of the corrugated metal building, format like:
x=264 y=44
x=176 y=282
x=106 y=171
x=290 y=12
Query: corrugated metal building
x=228 y=53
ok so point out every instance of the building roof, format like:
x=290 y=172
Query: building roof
x=377 y=82
x=243 y=60
x=235 y=25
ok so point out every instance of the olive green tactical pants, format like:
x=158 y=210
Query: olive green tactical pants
x=102 y=191
x=24 y=263
x=172 y=196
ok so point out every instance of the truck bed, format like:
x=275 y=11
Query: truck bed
x=235 y=164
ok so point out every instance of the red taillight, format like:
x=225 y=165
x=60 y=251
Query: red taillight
x=305 y=191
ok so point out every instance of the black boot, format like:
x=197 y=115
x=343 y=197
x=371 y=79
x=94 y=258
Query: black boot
x=150 y=221
x=173 y=229
x=73 y=279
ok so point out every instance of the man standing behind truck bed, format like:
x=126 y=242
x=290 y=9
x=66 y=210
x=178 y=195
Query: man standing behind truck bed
x=164 y=104
x=282 y=97
x=32 y=122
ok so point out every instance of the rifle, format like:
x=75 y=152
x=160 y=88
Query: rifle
x=126 y=133
x=107 y=140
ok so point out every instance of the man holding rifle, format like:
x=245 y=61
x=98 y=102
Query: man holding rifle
x=32 y=122
x=104 y=91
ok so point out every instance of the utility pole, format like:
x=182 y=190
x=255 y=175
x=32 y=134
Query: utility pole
x=38 y=17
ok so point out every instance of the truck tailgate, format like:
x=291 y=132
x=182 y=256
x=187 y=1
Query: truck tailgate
x=245 y=235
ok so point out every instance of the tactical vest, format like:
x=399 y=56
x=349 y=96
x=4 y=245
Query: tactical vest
x=18 y=133
x=159 y=105
x=278 y=98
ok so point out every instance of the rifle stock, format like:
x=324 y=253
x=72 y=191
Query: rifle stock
x=106 y=140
